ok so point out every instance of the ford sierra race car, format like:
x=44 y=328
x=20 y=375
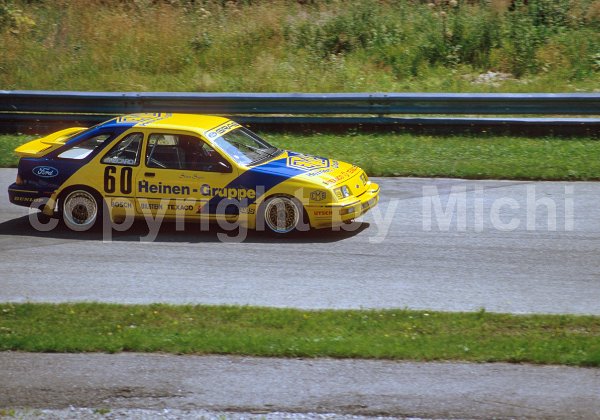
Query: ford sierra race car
x=185 y=166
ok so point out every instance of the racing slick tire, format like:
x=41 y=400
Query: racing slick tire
x=281 y=214
x=81 y=209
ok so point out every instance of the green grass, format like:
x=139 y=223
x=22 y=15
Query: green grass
x=8 y=143
x=388 y=334
x=300 y=46
x=477 y=157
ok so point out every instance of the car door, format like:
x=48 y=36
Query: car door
x=120 y=166
x=182 y=175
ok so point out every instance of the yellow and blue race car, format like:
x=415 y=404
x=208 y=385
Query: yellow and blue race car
x=185 y=166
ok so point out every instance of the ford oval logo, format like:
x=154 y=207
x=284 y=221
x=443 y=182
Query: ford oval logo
x=45 y=171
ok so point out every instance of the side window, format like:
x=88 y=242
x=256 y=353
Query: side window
x=163 y=151
x=83 y=148
x=174 y=151
x=125 y=152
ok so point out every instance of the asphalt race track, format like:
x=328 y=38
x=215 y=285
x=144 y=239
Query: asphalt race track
x=437 y=244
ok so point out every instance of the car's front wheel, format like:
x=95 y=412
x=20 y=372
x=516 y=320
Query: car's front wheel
x=282 y=214
x=81 y=210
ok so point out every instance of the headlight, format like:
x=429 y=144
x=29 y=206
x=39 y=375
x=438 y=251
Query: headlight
x=342 y=192
x=363 y=178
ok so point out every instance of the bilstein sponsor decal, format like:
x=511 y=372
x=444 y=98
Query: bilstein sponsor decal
x=45 y=171
x=151 y=206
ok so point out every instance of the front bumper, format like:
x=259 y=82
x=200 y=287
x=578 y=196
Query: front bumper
x=336 y=214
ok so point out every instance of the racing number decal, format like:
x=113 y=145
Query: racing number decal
x=109 y=179
x=125 y=180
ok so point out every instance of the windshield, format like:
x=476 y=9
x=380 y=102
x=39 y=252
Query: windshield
x=245 y=147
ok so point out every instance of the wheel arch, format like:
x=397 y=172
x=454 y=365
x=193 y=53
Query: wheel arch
x=63 y=193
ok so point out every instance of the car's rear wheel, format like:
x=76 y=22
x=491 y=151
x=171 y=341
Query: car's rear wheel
x=282 y=214
x=81 y=210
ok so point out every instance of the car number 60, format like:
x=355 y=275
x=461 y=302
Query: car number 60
x=110 y=181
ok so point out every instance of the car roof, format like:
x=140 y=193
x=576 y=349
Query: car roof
x=171 y=121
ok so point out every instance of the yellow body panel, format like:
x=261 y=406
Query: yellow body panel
x=47 y=144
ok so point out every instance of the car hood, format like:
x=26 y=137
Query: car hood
x=314 y=169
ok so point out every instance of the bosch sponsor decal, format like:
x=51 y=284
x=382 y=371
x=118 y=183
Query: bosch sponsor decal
x=219 y=130
x=45 y=171
x=141 y=120
x=318 y=195
x=121 y=204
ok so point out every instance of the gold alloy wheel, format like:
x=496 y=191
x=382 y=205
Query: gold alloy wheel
x=80 y=210
x=282 y=214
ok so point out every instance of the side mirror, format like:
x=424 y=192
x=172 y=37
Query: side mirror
x=223 y=167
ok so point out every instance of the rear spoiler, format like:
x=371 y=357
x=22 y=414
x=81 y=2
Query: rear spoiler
x=40 y=147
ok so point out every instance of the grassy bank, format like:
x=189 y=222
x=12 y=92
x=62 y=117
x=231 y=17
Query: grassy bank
x=8 y=143
x=434 y=156
x=306 y=46
x=389 y=334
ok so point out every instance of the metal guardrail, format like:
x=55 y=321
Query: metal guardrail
x=301 y=103
x=37 y=109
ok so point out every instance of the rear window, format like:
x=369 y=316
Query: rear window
x=84 y=148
